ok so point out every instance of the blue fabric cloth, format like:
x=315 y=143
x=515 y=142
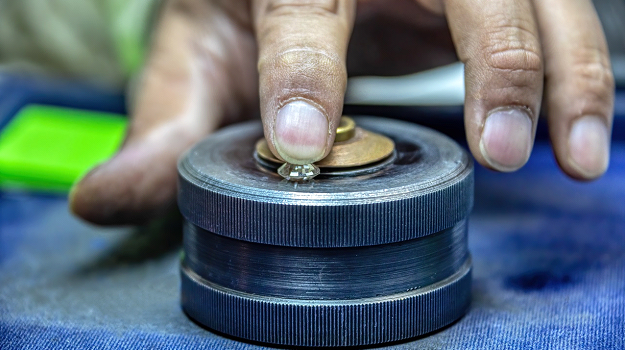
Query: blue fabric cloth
x=548 y=254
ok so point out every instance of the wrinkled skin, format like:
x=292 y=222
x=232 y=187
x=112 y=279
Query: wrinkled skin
x=215 y=62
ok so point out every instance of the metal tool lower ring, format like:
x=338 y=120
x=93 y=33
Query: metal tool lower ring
x=331 y=322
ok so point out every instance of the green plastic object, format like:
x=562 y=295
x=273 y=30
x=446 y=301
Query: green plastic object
x=48 y=148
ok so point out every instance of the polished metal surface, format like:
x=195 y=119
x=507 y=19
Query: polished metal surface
x=427 y=188
x=356 y=256
x=325 y=273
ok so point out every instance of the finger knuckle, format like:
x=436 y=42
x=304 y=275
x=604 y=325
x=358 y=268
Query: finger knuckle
x=514 y=59
x=304 y=72
x=591 y=67
x=312 y=64
x=513 y=48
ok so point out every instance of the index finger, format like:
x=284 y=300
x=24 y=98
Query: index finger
x=302 y=50
x=498 y=42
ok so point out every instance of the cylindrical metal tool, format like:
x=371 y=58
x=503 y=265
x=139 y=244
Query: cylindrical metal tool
x=356 y=256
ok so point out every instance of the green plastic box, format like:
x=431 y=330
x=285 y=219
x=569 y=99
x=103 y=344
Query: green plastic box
x=48 y=148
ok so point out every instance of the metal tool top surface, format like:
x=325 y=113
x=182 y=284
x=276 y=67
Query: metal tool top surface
x=426 y=188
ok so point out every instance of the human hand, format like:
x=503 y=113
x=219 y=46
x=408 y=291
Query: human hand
x=212 y=62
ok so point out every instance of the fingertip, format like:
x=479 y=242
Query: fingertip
x=507 y=138
x=131 y=188
x=588 y=148
x=88 y=201
x=301 y=132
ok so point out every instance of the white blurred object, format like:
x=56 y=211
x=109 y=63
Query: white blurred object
x=442 y=86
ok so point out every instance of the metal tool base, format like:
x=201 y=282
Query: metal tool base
x=330 y=322
x=374 y=257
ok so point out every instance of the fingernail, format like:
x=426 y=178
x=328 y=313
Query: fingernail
x=589 y=146
x=506 y=140
x=301 y=133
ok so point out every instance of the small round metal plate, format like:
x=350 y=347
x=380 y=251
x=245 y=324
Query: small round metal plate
x=427 y=188
x=364 y=147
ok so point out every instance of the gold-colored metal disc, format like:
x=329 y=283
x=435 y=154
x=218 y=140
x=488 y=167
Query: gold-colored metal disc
x=362 y=148
x=345 y=130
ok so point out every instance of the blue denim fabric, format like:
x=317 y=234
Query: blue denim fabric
x=548 y=254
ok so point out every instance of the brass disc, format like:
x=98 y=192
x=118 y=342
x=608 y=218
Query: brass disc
x=362 y=148
x=345 y=130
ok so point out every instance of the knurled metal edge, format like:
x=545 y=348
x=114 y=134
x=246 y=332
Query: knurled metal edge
x=327 y=225
x=327 y=323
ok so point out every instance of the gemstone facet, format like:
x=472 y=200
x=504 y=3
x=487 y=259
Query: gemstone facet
x=298 y=172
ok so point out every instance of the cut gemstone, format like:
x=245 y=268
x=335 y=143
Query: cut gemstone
x=298 y=172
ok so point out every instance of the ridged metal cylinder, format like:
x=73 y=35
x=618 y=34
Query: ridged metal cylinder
x=355 y=260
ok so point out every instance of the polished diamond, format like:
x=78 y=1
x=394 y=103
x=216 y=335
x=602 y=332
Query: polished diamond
x=298 y=172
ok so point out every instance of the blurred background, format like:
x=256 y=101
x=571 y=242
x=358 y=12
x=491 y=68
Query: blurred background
x=86 y=55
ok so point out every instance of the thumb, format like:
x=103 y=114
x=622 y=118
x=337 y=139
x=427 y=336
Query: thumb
x=174 y=109
x=302 y=73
